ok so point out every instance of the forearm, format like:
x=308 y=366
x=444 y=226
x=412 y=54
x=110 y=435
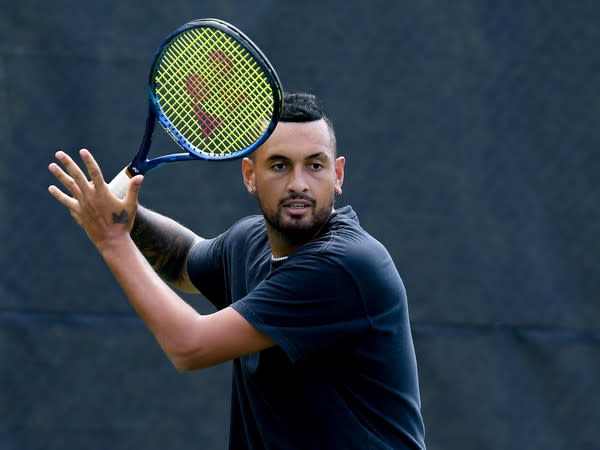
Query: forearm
x=165 y=244
x=170 y=319
x=189 y=339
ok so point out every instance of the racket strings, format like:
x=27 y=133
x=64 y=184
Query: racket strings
x=176 y=101
x=230 y=95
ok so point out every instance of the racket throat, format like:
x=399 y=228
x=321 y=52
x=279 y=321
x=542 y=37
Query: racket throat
x=141 y=158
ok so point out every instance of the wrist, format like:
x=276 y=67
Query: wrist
x=114 y=245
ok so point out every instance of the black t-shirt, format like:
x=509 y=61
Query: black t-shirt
x=343 y=374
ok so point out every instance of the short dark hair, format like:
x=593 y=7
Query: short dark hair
x=300 y=107
x=305 y=107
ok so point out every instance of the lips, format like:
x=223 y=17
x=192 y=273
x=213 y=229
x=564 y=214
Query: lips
x=296 y=206
x=297 y=203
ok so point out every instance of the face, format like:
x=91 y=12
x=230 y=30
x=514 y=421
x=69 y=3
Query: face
x=295 y=175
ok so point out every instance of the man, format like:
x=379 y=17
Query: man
x=309 y=306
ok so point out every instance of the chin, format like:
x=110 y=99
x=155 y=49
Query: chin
x=297 y=229
x=302 y=229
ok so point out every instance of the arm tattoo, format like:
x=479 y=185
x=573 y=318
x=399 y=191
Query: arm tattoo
x=164 y=243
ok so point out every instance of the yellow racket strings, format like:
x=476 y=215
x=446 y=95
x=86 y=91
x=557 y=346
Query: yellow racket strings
x=213 y=91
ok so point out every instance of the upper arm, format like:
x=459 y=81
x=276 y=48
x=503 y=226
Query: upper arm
x=166 y=245
x=205 y=271
x=219 y=337
x=183 y=281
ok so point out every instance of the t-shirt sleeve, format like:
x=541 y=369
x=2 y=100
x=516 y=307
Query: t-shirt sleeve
x=307 y=305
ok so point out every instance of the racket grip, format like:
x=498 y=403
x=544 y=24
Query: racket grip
x=118 y=185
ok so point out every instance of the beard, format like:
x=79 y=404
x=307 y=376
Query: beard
x=297 y=230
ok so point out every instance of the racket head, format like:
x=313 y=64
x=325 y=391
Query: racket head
x=214 y=91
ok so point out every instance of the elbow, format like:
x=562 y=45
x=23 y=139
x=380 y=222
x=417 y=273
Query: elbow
x=188 y=361
x=184 y=346
x=182 y=366
x=192 y=349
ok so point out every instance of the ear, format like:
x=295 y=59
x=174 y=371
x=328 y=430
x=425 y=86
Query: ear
x=340 y=163
x=248 y=174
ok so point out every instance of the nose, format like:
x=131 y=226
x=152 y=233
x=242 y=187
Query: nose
x=297 y=182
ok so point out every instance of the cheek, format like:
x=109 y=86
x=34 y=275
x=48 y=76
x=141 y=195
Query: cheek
x=267 y=196
x=271 y=186
x=326 y=185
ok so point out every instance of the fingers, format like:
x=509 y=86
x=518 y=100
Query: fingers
x=74 y=171
x=65 y=179
x=73 y=178
x=91 y=203
x=76 y=216
x=93 y=169
x=63 y=198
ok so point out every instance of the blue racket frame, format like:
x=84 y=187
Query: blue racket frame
x=142 y=164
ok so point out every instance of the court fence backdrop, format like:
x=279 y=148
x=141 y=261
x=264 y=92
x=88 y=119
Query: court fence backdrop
x=471 y=132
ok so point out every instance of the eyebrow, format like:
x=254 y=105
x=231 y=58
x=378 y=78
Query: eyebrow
x=316 y=155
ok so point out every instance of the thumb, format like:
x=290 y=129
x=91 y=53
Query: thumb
x=133 y=189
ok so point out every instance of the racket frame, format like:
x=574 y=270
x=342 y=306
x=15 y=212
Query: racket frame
x=141 y=163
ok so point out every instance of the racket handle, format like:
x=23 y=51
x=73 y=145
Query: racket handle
x=118 y=185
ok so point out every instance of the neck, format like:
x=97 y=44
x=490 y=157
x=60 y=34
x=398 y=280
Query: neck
x=281 y=245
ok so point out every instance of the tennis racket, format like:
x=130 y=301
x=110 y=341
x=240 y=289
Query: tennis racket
x=213 y=91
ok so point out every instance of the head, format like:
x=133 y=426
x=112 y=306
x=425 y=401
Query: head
x=296 y=173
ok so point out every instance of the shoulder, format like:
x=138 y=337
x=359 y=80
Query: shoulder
x=240 y=232
x=249 y=229
x=248 y=224
x=345 y=242
x=346 y=248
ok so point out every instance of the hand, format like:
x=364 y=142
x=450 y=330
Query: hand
x=104 y=217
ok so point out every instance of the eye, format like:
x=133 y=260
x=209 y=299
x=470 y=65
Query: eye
x=316 y=165
x=278 y=166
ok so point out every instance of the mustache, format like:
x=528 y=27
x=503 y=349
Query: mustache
x=292 y=197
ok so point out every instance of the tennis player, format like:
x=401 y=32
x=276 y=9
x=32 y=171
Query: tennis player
x=310 y=307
